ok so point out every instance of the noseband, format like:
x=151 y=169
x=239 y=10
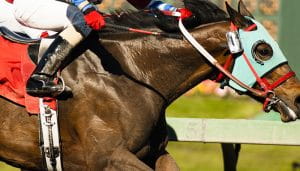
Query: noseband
x=247 y=71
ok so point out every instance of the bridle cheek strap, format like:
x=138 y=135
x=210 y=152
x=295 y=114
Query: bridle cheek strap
x=257 y=77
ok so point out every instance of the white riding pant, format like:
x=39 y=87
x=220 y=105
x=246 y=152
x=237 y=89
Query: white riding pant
x=8 y=20
x=52 y=15
x=42 y=14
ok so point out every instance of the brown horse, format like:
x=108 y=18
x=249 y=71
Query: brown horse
x=116 y=118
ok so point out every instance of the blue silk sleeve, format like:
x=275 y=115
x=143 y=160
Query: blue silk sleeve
x=77 y=2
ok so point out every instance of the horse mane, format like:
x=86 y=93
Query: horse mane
x=203 y=11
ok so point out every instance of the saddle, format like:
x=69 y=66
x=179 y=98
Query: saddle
x=16 y=66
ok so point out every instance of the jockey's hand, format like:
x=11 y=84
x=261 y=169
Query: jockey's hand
x=94 y=19
x=185 y=13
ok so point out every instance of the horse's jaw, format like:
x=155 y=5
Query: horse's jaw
x=286 y=113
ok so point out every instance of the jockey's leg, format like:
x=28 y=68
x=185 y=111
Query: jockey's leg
x=60 y=16
x=41 y=81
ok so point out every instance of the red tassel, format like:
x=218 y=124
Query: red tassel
x=10 y=1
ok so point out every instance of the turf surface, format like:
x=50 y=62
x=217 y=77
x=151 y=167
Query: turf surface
x=208 y=157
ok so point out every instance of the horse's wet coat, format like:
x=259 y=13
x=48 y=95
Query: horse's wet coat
x=116 y=117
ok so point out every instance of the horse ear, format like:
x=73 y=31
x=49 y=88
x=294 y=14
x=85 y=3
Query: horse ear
x=243 y=10
x=238 y=19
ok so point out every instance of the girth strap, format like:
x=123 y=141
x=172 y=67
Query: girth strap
x=49 y=137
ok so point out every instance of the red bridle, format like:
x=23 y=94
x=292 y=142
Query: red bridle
x=267 y=87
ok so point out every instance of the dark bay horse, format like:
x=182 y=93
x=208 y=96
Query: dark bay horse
x=116 y=118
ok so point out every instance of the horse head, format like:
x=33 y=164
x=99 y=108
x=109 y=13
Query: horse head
x=271 y=74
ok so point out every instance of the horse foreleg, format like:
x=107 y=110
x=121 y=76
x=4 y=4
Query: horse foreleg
x=166 y=163
x=122 y=159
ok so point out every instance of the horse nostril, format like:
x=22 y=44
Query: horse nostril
x=297 y=102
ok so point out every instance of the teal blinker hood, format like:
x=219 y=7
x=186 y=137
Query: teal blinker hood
x=241 y=69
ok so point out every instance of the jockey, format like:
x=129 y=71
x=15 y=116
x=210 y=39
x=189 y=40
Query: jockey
x=74 y=20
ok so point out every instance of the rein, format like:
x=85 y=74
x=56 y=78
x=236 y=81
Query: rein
x=268 y=89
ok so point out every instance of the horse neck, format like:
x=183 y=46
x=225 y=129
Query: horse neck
x=195 y=67
x=170 y=66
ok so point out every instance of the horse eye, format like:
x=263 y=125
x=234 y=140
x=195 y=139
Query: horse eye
x=262 y=51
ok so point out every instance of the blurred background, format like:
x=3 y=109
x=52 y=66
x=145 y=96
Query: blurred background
x=282 y=19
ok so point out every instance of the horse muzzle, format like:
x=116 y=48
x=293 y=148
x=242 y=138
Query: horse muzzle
x=286 y=113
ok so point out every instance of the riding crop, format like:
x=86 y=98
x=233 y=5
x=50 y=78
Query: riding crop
x=168 y=35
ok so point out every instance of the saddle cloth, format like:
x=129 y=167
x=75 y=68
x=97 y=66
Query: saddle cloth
x=15 y=69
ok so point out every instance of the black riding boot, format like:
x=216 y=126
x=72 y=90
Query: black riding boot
x=41 y=82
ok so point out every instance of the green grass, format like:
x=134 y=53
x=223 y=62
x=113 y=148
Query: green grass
x=4 y=167
x=213 y=107
x=196 y=157
x=208 y=157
